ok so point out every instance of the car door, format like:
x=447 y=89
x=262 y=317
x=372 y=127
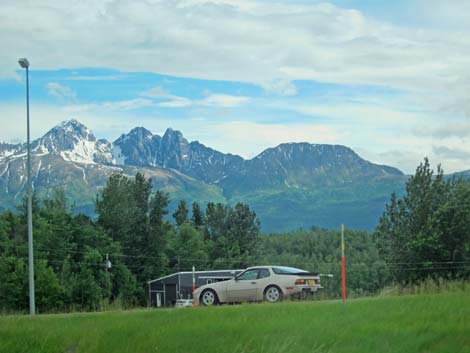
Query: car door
x=244 y=287
x=264 y=279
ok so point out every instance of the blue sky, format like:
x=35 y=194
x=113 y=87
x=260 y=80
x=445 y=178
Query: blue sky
x=386 y=78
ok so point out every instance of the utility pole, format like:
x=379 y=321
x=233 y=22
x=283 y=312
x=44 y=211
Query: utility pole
x=107 y=266
x=24 y=63
x=106 y=269
x=179 y=279
x=194 y=280
x=343 y=266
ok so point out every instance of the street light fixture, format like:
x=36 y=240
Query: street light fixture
x=24 y=63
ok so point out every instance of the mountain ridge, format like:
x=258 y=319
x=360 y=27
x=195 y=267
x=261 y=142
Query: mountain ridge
x=304 y=178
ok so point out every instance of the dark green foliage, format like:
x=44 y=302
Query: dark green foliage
x=232 y=234
x=422 y=234
x=319 y=250
x=198 y=217
x=425 y=233
x=181 y=213
x=154 y=250
x=13 y=283
x=69 y=253
x=189 y=248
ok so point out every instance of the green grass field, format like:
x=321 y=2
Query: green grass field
x=405 y=324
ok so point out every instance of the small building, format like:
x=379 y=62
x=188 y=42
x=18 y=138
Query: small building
x=164 y=291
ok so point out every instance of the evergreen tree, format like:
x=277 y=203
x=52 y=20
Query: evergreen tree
x=197 y=218
x=190 y=247
x=415 y=233
x=156 y=261
x=216 y=220
x=181 y=213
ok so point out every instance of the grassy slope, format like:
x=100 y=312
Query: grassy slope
x=424 y=323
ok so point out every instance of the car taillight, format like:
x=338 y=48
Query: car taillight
x=299 y=282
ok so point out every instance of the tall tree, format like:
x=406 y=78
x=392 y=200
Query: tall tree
x=156 y=260
x=181 y=213
x=415 y=232
x=216 y=220
x=197 y=217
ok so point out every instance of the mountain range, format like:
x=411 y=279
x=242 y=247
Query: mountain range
x=291 y=186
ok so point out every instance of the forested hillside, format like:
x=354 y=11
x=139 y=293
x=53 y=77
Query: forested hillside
x=421 y=235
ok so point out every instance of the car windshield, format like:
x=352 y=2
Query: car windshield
x=281 y=270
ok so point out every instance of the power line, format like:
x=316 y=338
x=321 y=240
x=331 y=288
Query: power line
x=241 y=259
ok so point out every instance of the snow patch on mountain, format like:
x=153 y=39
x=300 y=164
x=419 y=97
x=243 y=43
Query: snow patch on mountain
x=82 y=152
x=118 y=157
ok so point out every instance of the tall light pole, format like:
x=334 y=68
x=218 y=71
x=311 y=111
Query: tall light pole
x=24 y=63
x=343 y=266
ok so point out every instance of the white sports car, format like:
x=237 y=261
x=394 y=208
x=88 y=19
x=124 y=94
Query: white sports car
x=270 y=283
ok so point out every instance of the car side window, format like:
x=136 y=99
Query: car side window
x=248 y=275
x=263 y=273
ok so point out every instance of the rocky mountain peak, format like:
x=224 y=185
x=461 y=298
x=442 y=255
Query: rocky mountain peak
x=73 y=127
x=174 y=149
x=172 y=137
x=74 y=142
x=138 y=147
x=140 y=133
x=64 y=137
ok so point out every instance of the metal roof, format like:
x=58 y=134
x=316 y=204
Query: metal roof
x=190 y=272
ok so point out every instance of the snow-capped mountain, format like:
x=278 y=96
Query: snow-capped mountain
x=70 y=140
x=8 y=149
x=292 y=185
x=140 y=147
x=74 y=142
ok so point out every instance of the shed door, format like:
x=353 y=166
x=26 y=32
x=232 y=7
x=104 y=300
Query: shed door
x=159 y=300
x=170 y=294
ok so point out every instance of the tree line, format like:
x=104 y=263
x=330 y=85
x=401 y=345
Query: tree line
x=421 y=235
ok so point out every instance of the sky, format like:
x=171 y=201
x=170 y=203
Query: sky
x=390 y=79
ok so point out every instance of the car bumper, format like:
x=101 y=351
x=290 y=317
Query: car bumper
x=301 y=289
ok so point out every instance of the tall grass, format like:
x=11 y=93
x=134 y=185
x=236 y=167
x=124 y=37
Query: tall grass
x=428 y=286
x=407 y=323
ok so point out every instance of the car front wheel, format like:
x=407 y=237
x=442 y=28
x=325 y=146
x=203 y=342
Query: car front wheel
x=208 y=298
x=272 y=294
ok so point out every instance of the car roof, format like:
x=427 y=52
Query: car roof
x=256 y=267
x=271 y=266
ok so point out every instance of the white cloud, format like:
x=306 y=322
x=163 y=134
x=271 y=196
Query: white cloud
x=60 y=91
x=169 y=100
x=95 y=78
x=212 y=100
x=444 y=131
x=222 y=100
x=271 y=44
x=249 y=138
x=456 y=154
x=280 y=87
x=123 y=105
x=254 y=41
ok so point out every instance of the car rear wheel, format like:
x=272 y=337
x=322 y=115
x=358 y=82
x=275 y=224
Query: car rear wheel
x=273 y=294
x=208 y=298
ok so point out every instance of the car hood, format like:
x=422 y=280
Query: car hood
x=215 y=286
